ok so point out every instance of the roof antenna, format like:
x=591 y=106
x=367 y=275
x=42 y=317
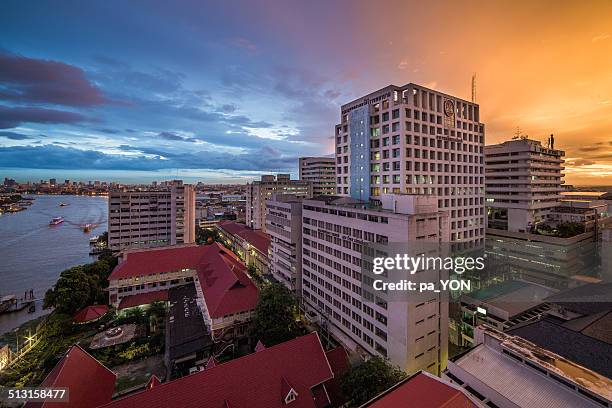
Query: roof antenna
x=474 y=88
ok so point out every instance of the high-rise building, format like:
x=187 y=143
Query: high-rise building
x=524 y=181
x=284 y=225
x=411 y=139
x=152 y=216
x=321 y=171
x=259 y=192
x=413 y=335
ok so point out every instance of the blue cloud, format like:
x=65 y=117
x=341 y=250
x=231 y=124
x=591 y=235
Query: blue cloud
x=52 y=156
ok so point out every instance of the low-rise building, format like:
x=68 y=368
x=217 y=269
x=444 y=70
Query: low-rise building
x=225 y=294
x=250 y=245
x=502 y=306
x=296 y=373
x=506 y=370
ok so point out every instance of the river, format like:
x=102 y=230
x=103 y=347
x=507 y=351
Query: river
x=32 y=253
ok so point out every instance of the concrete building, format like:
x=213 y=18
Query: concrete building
x=411 y=139
x=321 y=172
x=151 y=217
x=523 y=183
x=508 y=371
x=284 y=225
x=502 y=306
x=259 y=192
x=584 y=207
x=336 y=231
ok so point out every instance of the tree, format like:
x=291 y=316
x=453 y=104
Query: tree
x=275 y=315
x=368 y=380
x=570 y=229
x=206 y=235
x=80 y=286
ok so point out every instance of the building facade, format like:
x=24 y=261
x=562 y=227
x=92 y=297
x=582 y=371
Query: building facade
x=251 y=246
x=321 y=172
x=524 y=181
x=259 y=192
x=415 y=140
x=413 y=335
x=284 y=225
x=151 y=217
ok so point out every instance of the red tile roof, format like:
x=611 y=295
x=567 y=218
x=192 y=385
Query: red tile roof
x=227 y=288
x=90 y=313
x=422 y=391
x=260 y=240
x=90 y=383
x=253 y=381
x=340 y=365
x=143 y=299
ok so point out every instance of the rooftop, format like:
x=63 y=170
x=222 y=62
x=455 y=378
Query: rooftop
x=226 y=287
x=187 y=332
x=257 y=380
x=90 y=313
x=143 y=299
x=422 y=390
x=515 y=381
x=510 y=297
x=586 y=299
x=258 y=239
x=593 y=194
x=75 y=371
x=576 y=346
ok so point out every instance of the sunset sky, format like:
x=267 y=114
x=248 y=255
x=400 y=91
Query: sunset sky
x=223 y=91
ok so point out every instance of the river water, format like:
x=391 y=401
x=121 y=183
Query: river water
x=32 y=253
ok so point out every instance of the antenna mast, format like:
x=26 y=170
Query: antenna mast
x=474 y=88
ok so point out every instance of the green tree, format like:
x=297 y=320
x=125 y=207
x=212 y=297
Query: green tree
x=368 y=380
x=274 y=321
x=80 y=286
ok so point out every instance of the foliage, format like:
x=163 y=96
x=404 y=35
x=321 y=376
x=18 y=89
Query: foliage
x=274 y=321
x=562 y=230
x=137 y=349
x=368 y=380
x=206 y=235
x=570 y=229
x=55 y=338
x=81 y=286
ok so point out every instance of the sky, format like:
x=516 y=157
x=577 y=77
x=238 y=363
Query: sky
x=226 y=91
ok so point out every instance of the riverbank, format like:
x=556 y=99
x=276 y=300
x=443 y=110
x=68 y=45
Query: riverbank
x=12 y=203
x=34 y=254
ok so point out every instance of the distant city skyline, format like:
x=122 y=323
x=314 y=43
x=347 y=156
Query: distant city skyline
x=222 y=93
